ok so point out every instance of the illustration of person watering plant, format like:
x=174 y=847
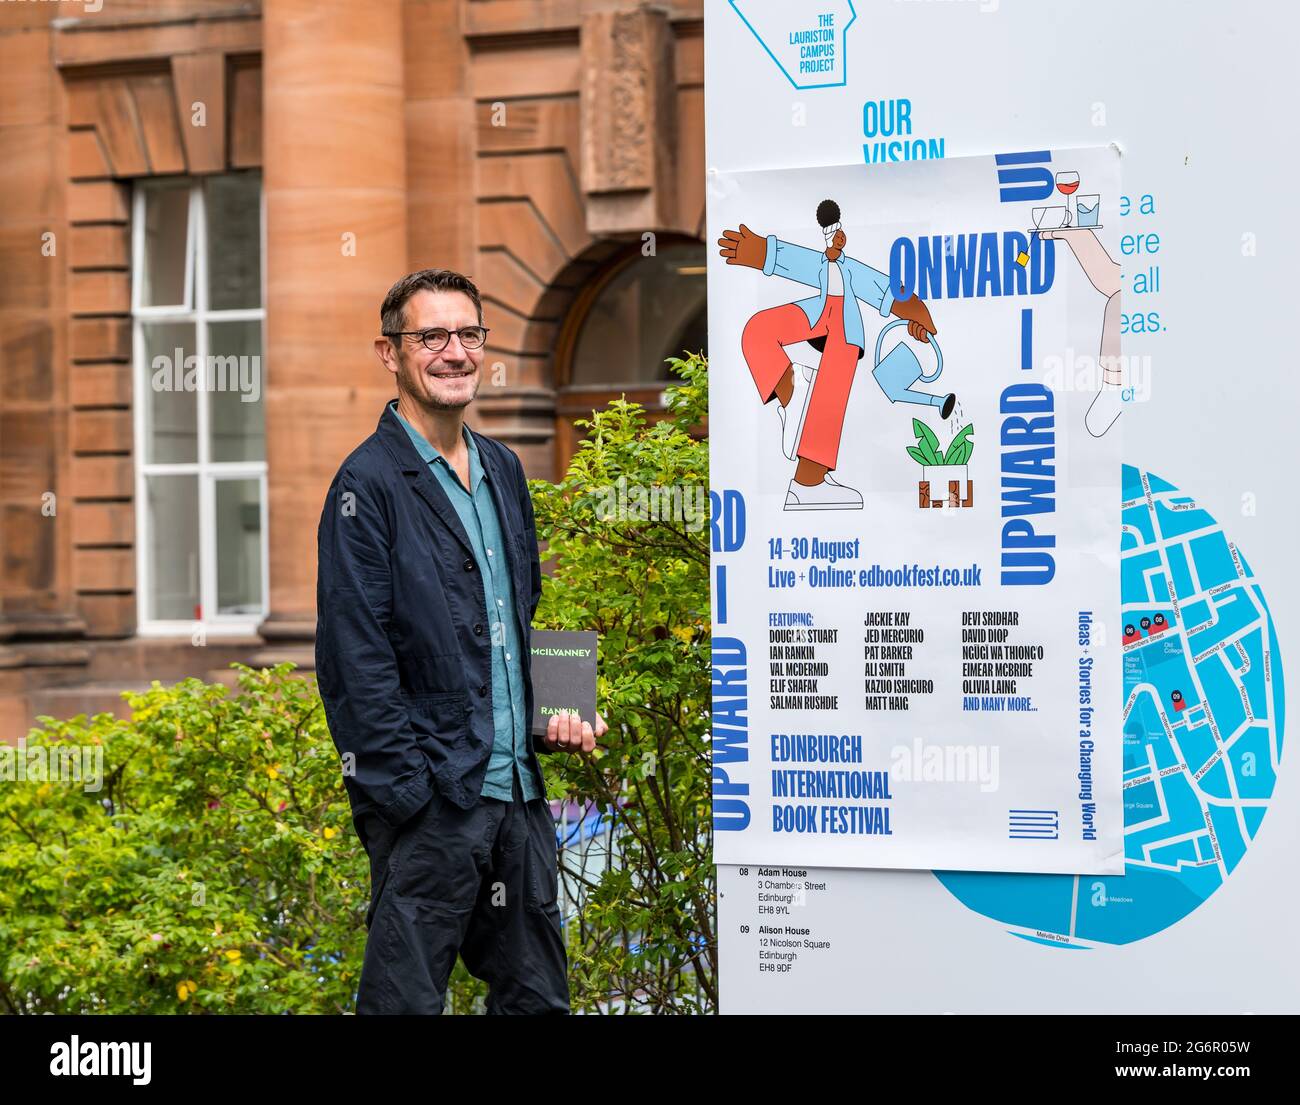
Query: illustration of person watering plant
x=812 y=402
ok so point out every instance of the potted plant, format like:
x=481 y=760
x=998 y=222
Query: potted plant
x=945 y=479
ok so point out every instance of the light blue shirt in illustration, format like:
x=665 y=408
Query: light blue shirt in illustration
x=812 y=267
x=478 y=515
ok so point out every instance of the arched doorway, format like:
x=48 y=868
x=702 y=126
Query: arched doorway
x=632 y=314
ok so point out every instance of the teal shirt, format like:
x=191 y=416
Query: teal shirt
x=478 y=515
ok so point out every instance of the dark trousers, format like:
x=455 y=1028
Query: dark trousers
x=480 y=882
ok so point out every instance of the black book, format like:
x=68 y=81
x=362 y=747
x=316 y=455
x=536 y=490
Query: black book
x=564 y=675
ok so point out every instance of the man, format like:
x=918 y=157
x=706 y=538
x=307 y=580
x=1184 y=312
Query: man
x=832 y=323
x=428 y=581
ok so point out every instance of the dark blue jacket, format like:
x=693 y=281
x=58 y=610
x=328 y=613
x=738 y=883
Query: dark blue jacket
x=403 y=640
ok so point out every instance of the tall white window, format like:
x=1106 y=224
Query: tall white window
x=198 y=314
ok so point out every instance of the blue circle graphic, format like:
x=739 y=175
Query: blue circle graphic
x=1204 y=712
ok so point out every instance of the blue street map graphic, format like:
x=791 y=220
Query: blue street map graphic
x=1204 y=709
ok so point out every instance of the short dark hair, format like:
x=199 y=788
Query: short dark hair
x=828 y=213
x=392 y=313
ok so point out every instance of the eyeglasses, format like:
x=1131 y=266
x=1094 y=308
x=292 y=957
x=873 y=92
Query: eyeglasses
x=435 y=339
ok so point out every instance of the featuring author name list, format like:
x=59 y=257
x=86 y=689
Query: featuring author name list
x=796 y=663
x=997 y=664
x=890 y=642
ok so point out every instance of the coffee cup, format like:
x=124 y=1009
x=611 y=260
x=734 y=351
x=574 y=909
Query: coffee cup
x=1051 y=218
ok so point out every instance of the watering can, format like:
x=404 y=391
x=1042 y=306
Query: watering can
x=900 y=370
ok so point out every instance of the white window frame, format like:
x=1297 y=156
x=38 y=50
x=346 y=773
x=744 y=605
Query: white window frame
x=194 y=310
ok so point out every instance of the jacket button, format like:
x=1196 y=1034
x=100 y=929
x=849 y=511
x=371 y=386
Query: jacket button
x=478 y=629
x=482 y=690
x=469 y=565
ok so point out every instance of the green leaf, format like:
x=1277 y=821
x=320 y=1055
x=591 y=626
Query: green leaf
x=929 y=444
x=916 y=454
x=960 y=445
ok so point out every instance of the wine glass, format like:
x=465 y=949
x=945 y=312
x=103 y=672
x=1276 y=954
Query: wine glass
x=1067 y=184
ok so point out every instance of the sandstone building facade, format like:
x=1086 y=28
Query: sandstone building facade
x=196 y=186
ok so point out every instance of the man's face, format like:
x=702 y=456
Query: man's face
x=835 y=240
x=449 y=379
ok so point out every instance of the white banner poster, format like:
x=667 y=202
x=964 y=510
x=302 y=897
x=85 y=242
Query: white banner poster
x=1195 y=96
x=917 y=537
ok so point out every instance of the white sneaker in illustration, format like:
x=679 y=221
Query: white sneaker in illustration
x=792 y=415
x=827 y=495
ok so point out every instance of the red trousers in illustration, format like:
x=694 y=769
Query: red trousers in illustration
x=762 y=341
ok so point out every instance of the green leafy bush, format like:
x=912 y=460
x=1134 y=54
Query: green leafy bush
x=216 y=870
x=641 y=937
